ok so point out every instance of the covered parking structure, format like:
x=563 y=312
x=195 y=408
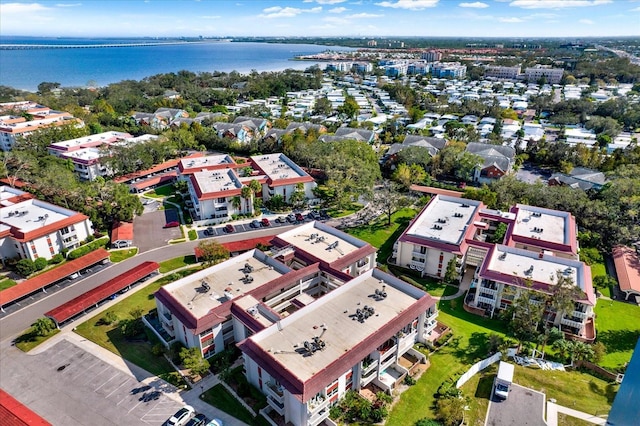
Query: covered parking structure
x=92 y=298
x=47 y=279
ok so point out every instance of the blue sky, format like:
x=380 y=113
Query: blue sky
x=475 y=18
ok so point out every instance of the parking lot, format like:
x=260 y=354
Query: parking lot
x=149 y=231
x=524 y=407
x=69 y=386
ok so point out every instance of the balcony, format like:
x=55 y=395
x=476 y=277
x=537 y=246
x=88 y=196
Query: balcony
x=318 y=417
x=275 y=391
x=371 y=367
x=316 y=404
x=490 y=291
x=487 y=300
x=571 y=323
x=277 y=406
x=579 y=314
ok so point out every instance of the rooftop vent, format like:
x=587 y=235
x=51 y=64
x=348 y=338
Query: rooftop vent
x=247 y=269
x=503 y=256
x=529 y=271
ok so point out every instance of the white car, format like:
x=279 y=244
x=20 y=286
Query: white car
x=181 y=417
x=215 y=422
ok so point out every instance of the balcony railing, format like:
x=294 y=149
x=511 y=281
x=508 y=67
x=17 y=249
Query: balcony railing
x=570 y=323
x=488 y=290
x=486 y=300
x=316 y=404
x=369 y=368
x=579 y=314
x=276 y=392
x=276 y=405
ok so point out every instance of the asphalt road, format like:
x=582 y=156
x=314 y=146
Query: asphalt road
x=15 y=323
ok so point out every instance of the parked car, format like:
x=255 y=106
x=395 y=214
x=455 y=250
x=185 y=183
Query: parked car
x=299 y=217
x=215 y=422
x=209 y=231
x=181 y=417
x=255 y=223
x=265 y=222
x=291 y=217
x=281 y=219
x=229 y=228
x=172 y=224
x=198 y=420
x=314 y=215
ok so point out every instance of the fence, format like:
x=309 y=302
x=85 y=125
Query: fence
x=596 y=369
x=477 y=367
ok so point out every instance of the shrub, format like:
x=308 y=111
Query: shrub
x=174 y=352
x=90 y=238
x=109 y=318
x=56 y=259
x=409 y=380
x=25 y=267
x=157 y=349
x=88 y=248
x=40 y=263
x=131 y=328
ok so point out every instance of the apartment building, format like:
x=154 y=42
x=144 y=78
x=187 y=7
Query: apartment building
x=502 y=73
x=432 y=56
x=12 y=127
x=448 y=70
x=30 y=228
x=307 y=263
x=538 y=244
x=215 y=183
x=550 y=75
x=358 y=335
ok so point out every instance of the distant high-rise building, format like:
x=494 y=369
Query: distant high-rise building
x=432 y=56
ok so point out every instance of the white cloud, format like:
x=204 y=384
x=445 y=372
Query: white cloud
x=474 y=5
x=510 y=20
x=556 y=4
x=211 y=17
x=364 y=15
x=337 y=10
x=68 y=4
x=286 y=12
x=409 y=4
x=586 y=21
x=325 y=1
x=636 y=9
x=20 y=8
x=336 y=20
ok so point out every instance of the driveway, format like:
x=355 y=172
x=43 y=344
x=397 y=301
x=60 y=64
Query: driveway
x=524 y=407
x=532 y=174
x=148 y=231
x=69 y=386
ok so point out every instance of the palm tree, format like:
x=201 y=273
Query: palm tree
x=43 y=326
x=236 y=202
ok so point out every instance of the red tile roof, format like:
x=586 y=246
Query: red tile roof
x=627 y=268
x=75 y=306
x=122 y=231
x=14 y=413
x=155 y=169
x=435 y=191
x=243 y=245
x=47 y=278
x=156 y=180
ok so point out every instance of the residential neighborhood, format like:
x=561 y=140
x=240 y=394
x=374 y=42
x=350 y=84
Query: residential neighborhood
x=367 y=241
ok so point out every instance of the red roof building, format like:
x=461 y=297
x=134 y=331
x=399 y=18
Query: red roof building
x=14 y=413
x=627 y=265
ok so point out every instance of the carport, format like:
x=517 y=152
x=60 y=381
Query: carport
x=93 y=297
x=47 y=279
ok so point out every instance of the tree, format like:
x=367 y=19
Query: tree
x=450 y=409
x=451 y=276
x=25 y=267
x=525 y=313
x=192 y=360
x=349 y=108
x=212 y=252
x=389 y=200
x=563 y=295
x=40 y=263
x=322 y=106
x=43 y=326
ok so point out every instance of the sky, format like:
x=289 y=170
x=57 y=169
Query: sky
x=351 y=18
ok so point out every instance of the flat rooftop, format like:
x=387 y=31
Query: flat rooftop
x=278 y=166
x=226 y=281
x=525 y=264
x=89 y=141
x=332 y=318
x=32 y=214
x=542 y=224
x=85 y=154
x=321 y=241
x=217 y=181
x=444 y=219
x=204 y=162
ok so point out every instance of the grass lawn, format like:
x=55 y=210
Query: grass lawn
x=162 y=191
x=573 y=389
x=193 y=235
x=120 y=255
x=432 y=286
x=478 y=388
x=219 y=397
x=6 y=283
x=30 y=339
x=175 y=263
x=467 y=346
x=381 y=235
x=138 y=352
x=341 y=213
x=618 y=327
x=566 y=420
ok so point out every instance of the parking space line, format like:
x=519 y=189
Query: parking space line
x=104 y=383
x=113 y=391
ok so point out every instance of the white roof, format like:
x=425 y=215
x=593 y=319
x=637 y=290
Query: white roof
x=444 y=219
x=554 y=224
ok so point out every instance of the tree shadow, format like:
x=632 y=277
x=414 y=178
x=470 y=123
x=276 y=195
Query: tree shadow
x=485 y=385
x=619 y=340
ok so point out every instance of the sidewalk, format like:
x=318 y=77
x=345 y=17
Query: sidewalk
x=553 y=409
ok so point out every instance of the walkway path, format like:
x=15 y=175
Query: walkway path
x=462 y=289
x=553 y=409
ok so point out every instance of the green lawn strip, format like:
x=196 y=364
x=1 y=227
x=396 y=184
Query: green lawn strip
x=30 y=339
x=567 y=420
x=162 y=191
x=193 y=235
x=618 y=327
x=137 y=352
x=478 y=388
x=177 y=262
x=573 y=389
x=336 y=213
x=598 y=269
x=431 y=285
x=120 y=255
x=219 y=397
x=5 y=284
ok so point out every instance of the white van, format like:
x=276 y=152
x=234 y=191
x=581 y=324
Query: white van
x=503 y=381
